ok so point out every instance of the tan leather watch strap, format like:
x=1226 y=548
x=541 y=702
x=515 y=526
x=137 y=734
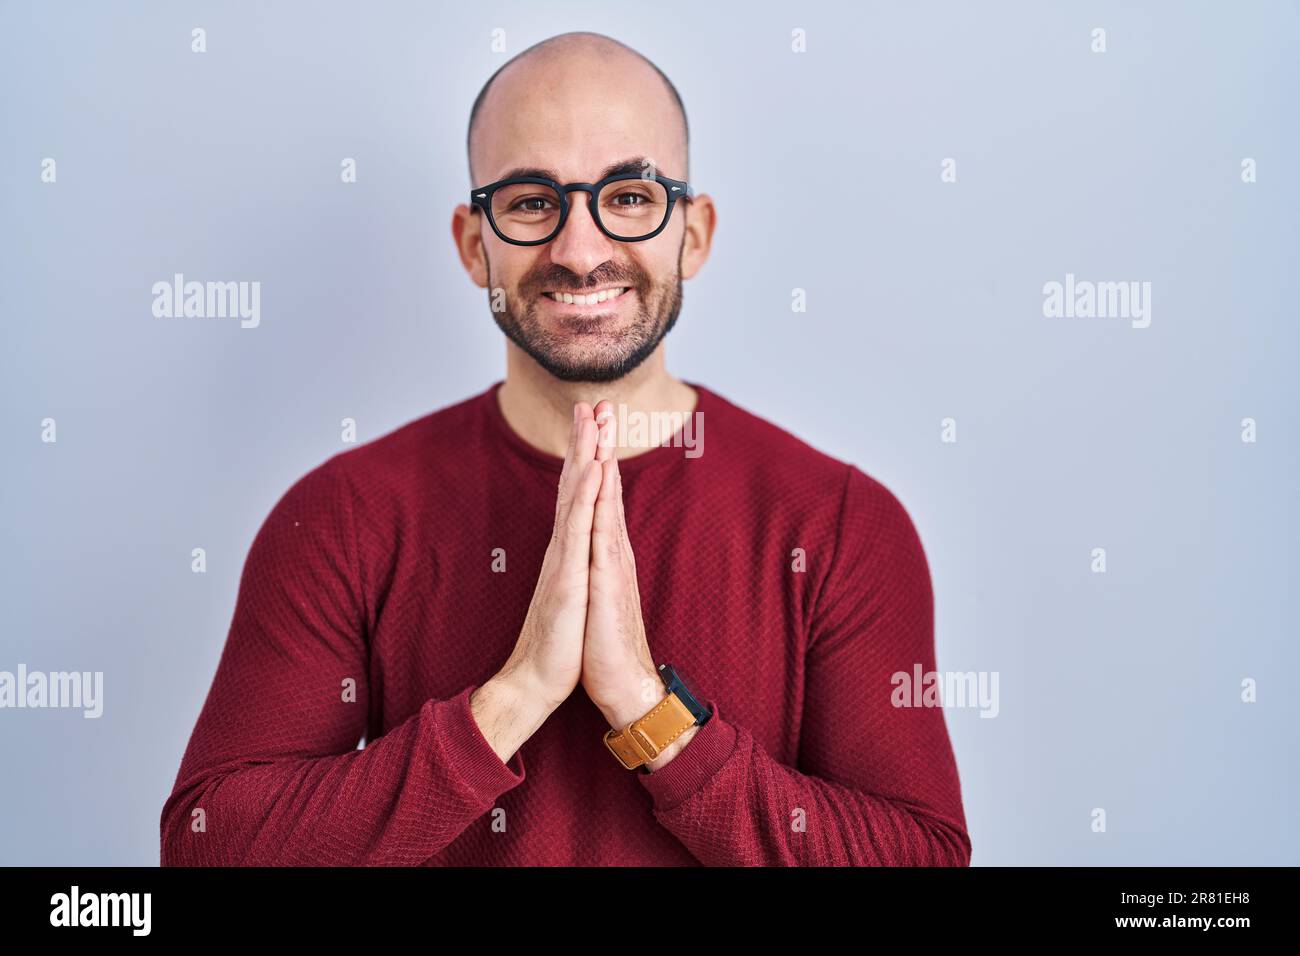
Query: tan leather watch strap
x=646 y=737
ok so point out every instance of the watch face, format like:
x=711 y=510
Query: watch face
x=684 y=689
x=670 y=676
x=688 y=688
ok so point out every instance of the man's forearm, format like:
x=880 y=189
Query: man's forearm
x=507 y=712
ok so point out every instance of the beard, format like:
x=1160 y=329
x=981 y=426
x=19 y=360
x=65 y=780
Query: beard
x=575 y=349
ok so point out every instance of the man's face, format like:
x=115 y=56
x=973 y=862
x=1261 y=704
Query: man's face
x=580 y=341
x=575 y=121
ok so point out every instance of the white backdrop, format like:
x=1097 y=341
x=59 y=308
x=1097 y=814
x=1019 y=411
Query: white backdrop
x=1119 y=690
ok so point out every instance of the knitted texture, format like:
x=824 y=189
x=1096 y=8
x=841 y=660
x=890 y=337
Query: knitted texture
x=787 y=586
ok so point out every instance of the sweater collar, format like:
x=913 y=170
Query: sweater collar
x=672 y=450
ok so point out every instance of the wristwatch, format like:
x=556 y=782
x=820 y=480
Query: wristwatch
x=646 y=737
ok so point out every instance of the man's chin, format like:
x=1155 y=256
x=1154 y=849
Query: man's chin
x=595 y=348
x=586 y=368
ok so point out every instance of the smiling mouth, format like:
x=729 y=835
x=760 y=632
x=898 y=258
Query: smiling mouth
x=588 y=299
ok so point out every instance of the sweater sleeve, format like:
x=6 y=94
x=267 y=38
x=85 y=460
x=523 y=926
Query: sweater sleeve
x=875 y=784
x=272 y=775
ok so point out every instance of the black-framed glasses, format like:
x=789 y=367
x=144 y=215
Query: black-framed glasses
x=629 y=207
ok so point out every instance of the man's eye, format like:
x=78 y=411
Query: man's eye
x=533 y=204
x=621 y=196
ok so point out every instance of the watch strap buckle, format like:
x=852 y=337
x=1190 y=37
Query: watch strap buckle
x=647 y=737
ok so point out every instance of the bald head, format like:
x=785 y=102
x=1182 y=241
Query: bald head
x=587 y=83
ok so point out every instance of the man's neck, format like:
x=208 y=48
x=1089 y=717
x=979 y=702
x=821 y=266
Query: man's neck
x=539 y=407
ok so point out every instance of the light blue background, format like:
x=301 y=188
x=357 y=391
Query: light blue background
x=1118 y=691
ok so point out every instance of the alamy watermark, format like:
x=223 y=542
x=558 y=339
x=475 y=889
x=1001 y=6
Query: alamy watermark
x=61 y=689
x=1085 y=299
x=102 y=909
x=652 y=429
x=946 y=689
x=208 y=300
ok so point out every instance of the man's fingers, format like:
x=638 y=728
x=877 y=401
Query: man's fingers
x=585 y=449
x=622 y=515
x=604 y=525
x=575 y=544
x=563 y=493
x=604 y=415
x=573 y=439
x=605 y=531
x=582 y=443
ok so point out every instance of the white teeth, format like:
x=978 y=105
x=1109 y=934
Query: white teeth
x=596 y=297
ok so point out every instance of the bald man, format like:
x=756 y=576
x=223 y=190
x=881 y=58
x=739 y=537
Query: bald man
x=750 y=622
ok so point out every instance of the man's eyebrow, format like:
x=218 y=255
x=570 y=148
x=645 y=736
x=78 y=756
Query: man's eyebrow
x=633 y=165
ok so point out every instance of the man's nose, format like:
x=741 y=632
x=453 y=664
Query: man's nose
x=581 y=246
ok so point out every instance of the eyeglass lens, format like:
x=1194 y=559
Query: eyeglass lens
x=628 y=209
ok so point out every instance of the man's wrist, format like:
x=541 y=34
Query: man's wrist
x=636 y=699
x=523 y=685
x=672 y=750
x=635 y=703
x=508 y=710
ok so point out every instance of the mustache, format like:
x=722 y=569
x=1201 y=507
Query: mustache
x=562 y=284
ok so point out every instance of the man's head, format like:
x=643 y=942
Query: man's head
x=575 y=105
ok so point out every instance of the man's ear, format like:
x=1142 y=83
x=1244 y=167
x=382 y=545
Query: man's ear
x=467 y=232
x=701 y=220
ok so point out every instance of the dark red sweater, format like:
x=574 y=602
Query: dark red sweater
x=377 y=568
